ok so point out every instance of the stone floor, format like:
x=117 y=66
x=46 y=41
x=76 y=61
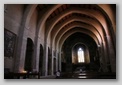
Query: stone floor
x=88 y=75
x=68 y=75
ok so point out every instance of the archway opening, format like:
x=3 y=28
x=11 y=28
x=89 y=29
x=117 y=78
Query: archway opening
x=49 y=61
x=80 y=57
x=29 y=54
x=77 y=52
x=80 y=54
x=41 y=60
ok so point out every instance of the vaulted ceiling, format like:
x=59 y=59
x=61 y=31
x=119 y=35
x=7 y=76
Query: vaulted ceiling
x=63 y=20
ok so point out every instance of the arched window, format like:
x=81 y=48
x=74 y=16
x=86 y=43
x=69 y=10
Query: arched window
x=80 y=55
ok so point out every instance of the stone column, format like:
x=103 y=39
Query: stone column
x=52 y=73
x=36 y=51
x=105 y=56
x=102 y=58
x=45 y=60
x=56 y=61
x=112 y=55
x=21 y=51
x=60 y=60
x=36 y=55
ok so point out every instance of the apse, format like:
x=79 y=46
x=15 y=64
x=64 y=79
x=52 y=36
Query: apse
x=79 y=50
